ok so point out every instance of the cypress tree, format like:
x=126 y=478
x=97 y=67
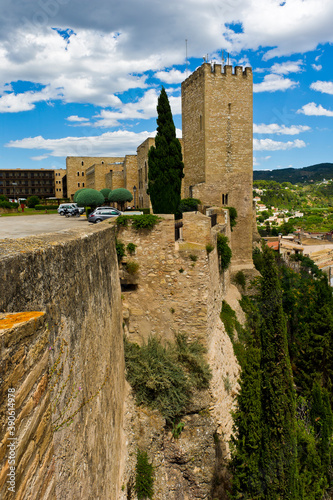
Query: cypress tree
x=279 y=444
x=246 y=442
x=322 y=419
x=165 y=165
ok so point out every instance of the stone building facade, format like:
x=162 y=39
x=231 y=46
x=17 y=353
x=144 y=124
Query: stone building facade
x=59 y=184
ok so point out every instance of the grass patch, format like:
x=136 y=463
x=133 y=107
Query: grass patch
x=27 y=212
x=164 y=377
x=232 y=326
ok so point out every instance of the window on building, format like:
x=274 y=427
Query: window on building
x=146 y=172
x=82 y=173
x=83 y=184
x=200 y=122
x=82 y=163
x=224 y=199
x=78 y=173
x=78 y=184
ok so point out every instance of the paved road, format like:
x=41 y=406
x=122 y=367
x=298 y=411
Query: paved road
x=18 y=227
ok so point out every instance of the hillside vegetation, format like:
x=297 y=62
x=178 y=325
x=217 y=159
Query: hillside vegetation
x=314 y=173
x=283 y=425
x=283 y=207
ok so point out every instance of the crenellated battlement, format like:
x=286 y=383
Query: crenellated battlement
x=226 y=70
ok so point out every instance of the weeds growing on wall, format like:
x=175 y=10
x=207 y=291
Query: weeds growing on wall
x=131 y=248
x=144 y=480
x=224 y=251
x=120 y=249
x=145 y=221
x=209 y=248
x=233 y=217
x=164 y=377
x=132 y=267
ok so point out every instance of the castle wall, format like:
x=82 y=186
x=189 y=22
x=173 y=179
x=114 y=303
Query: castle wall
x=142 y=155
x=26 y=448
x=131 y=178
x=180 y=289
x=73 y=276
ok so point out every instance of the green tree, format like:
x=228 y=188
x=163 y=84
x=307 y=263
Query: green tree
x=246 y=442
x=32 y=201
x=120 y=196
x=278 y=403
x=105 y=192
x=89 y=198
x=77 y=193
x=165 y=165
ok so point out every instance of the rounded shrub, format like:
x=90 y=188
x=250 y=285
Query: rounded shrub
x=120 y=196
x=89 y=198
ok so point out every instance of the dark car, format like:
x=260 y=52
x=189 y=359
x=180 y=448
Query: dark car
x=102 y=214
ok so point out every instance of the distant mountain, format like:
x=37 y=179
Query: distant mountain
x=314 y=173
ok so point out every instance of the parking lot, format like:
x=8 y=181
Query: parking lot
x=18 y=227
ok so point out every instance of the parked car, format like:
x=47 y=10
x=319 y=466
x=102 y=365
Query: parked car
x=103 y=213
x=65 y=207
x=98 y=209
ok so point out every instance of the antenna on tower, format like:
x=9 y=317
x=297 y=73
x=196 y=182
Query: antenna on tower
x=186 y=70
x=228 y=59
x=223 y=61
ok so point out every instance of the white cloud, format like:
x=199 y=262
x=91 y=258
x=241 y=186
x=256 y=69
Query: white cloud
x=274 y=128
x=25 y=101
x=171 y=76
x=317 y=67
x=256 y=161
x=116 y=143
x=112 y=48
x=143 y=108
x=272 y=83
x=75 y=118
x=270 y=145
x=313 y=109
x=287 y=67
x=324 y=87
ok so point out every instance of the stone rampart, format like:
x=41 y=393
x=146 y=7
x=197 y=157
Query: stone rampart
x=26 y=448
x=73 y=277
x=179 y=288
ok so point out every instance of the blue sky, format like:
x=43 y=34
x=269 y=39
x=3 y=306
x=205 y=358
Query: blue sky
x=82 y=79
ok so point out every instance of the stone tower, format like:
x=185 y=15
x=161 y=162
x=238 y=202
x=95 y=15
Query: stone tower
x=217 y=138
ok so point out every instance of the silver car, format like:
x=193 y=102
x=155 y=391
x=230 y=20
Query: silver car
x=102 y=214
